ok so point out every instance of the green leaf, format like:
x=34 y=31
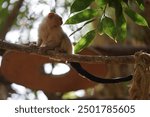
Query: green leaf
x=100 y=27
x=121 y=28
x=85 y=41
x=137 y=18
x=79 y=5
x=82 y=16
x=3 y=15
x=108 y=27
x=1 y=2
x=140 y=4
x=121 y=25
x=101 y=3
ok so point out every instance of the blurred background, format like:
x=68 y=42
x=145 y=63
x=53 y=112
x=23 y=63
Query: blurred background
x=19 y=21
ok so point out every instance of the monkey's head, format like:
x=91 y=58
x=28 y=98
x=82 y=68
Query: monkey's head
x=54 y=20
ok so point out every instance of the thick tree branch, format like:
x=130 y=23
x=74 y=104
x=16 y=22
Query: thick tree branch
x=118 y=50
x=61 y=57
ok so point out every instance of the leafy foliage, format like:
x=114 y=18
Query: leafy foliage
x=79 y=5
x=121 y=26
x=107 y=26
x=85 y=41
x=137 y=18
x=3 y=12
x=115 y=28
x=82 y=16
x=141 y=4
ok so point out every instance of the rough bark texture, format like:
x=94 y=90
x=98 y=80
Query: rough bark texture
x=61 y=57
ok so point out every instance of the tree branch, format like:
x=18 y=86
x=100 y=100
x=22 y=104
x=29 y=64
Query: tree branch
x=61 y=57
x=10 y=19
x=118 y=50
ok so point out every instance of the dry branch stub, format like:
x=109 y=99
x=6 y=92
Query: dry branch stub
x=141 y=77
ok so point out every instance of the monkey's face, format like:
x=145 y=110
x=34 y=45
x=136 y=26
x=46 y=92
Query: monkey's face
x=54 y=19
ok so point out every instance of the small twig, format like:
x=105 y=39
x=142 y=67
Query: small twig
x=61 y=57
x=81 y=27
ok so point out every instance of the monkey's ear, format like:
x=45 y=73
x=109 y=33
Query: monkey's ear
x=50 y=15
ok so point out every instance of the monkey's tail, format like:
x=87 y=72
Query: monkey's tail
x=91 y=77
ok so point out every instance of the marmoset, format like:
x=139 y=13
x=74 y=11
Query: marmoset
x=52 y=36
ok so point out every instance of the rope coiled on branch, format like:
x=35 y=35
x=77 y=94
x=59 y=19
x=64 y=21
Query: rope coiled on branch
x=141 y=77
